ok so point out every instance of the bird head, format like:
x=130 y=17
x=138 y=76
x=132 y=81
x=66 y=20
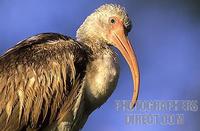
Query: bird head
x=110 y=25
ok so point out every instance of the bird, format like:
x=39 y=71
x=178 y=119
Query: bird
x=54 y=82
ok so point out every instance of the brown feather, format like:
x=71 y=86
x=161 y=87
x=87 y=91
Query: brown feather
x=37 y=77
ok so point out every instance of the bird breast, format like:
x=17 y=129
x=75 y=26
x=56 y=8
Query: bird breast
x=101 y=78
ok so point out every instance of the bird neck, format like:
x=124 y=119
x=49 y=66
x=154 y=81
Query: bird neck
x=92 y=37
x=95 y=45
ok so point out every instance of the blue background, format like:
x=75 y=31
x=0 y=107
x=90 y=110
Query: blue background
x=165 y=35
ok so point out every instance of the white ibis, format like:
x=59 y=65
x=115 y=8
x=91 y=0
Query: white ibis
x=53 y=82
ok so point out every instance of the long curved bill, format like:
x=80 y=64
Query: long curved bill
x=122 y=43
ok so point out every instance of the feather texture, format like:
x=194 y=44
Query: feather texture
x=36 y=78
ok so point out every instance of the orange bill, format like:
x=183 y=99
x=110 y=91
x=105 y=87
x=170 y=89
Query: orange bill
x=122 y=43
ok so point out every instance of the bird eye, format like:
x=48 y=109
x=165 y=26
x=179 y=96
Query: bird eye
x=112 y=21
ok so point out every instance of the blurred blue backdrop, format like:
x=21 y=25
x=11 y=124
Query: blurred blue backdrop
x=165 y=35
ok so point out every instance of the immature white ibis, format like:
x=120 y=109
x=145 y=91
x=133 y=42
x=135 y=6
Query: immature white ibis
x=53 y=82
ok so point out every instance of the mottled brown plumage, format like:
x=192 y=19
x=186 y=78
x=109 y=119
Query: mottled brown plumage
x=36 y=77
x=53 y=82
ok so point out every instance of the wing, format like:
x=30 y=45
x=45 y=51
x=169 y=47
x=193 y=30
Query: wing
x=37 y=76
